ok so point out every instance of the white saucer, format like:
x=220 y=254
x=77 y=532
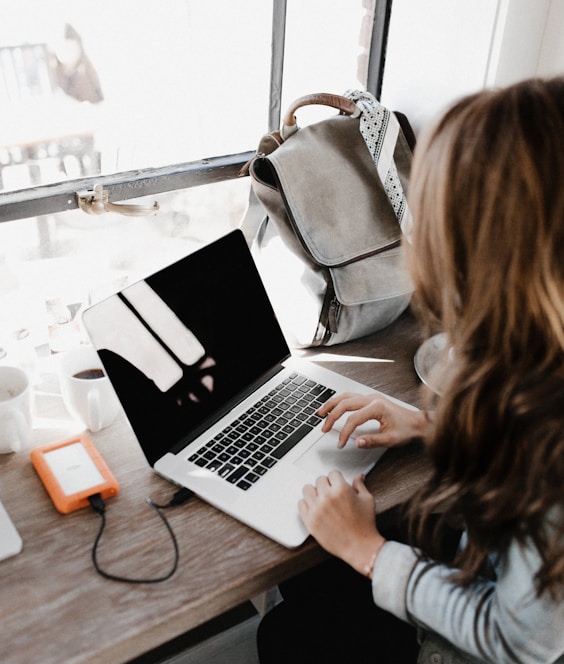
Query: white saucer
x=427 y=360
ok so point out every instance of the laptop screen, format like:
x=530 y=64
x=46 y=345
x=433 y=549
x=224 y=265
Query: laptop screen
x=182 y=345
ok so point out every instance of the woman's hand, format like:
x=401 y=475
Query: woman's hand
x=398 y=425
x=341 y=517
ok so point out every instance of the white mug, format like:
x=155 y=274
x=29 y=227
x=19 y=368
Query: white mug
x=15 y=410
x=87 y=391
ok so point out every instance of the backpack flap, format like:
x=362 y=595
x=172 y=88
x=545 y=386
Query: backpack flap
x=336 y=203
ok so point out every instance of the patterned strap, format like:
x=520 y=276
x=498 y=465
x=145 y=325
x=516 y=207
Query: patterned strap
x=380 y=129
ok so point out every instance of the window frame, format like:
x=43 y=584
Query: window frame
x=127 y=185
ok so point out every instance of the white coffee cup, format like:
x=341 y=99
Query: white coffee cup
x=87 y=391
x=15 y=410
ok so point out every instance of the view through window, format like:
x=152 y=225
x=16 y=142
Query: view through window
x=92 y=90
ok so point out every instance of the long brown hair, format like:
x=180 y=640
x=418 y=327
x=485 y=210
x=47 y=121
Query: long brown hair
x=487 y=261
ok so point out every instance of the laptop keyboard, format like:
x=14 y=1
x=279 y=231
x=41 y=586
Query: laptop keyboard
x=254 y=443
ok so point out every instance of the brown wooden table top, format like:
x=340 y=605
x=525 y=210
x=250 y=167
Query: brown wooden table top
x=54 y=607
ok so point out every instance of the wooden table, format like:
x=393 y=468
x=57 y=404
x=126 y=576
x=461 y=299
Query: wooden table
x=53 y=605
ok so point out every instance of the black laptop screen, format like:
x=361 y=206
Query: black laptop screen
x=181 y=345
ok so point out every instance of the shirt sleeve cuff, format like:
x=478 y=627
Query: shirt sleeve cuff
x=390 y=577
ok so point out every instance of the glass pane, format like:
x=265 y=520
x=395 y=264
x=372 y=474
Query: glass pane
x=89 y=87
x=50 y=266
x=327 y=46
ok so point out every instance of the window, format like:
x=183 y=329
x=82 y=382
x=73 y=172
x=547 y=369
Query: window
x=153 y=102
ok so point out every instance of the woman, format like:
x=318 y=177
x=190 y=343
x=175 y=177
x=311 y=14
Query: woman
x=486 y=255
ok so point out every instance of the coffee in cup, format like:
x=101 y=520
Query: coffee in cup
x=89 y=374
x=87 y=391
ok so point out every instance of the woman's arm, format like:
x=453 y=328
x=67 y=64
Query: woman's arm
x=501 y=621
x=497 y=621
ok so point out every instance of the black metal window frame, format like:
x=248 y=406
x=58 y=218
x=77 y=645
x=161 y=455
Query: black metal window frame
x=49 y=199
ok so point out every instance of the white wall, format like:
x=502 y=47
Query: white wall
x=551 y=60
x=439 y=50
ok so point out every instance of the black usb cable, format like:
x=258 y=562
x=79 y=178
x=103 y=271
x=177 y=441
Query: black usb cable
x=99 y=506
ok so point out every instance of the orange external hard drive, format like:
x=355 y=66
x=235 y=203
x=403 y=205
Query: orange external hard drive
x=72 y=470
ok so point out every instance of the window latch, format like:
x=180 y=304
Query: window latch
x=96 y=202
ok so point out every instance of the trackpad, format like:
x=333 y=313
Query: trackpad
x=323 y=456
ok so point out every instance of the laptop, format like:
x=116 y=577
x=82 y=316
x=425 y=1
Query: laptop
x=218 y=404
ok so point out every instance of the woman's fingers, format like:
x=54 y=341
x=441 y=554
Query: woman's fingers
x=393 y=423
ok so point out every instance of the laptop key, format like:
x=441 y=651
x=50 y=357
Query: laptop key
x=326 y=394
x=226 y=470
x=291 y=441
x=214 y=466
x=237 y=474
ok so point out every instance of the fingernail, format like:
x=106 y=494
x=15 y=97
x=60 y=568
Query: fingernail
x=361 y=442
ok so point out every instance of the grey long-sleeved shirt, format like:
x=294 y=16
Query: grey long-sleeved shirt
x=497 y=621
